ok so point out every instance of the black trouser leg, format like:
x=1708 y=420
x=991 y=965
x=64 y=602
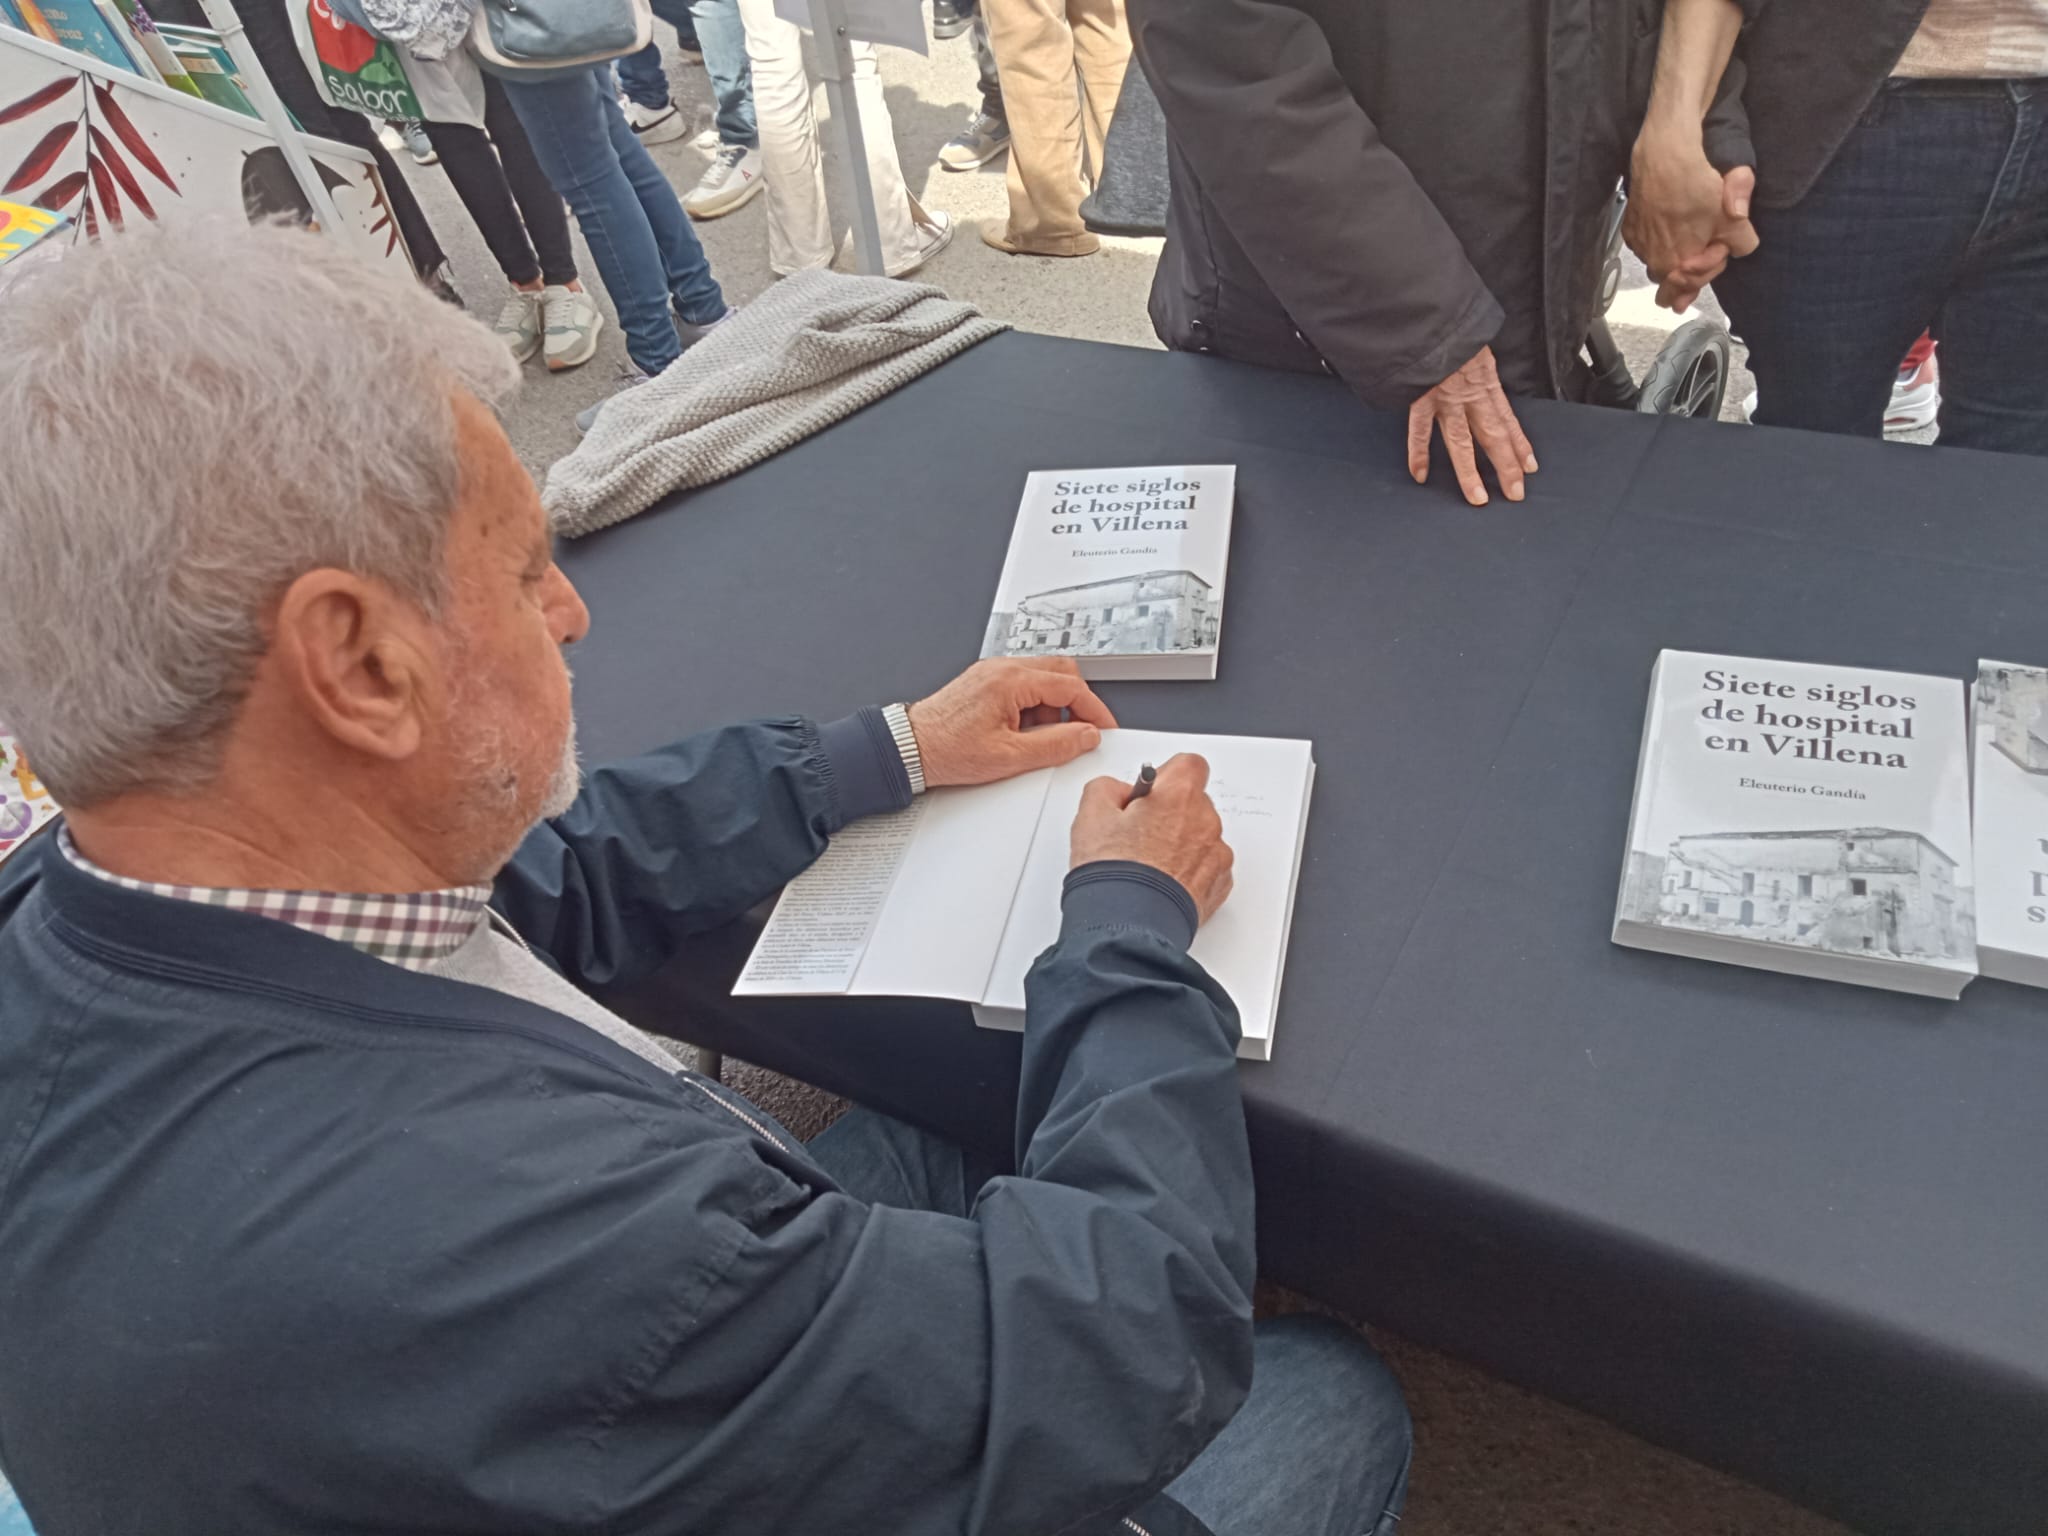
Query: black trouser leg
x=472 y=166
x=269 y=28
x=546 y=215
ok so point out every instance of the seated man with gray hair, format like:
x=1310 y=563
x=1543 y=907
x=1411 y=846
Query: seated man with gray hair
x=332 y=1202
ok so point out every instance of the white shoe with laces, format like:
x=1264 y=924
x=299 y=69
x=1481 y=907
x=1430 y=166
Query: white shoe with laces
x=571 y=321
x=732 y=180
x=519 y=324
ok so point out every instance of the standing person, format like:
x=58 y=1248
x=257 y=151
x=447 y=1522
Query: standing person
x=268 y=27
x=1062 y=64
x=987 y=133
x=646 y=252
x=802 y=231
x=733 y=179
x=1901 y=186
x=1409 y=197
x=501 y=183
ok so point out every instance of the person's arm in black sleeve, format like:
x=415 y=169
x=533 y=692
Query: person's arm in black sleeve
x=1373 y=276
x=689 y=837
x=1040 y=1366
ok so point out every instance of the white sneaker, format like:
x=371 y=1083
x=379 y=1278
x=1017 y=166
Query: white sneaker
x=571 y=321
x=708 y=140
x=732 y=180
x=655 y=125
x=519 y=324
x=934 y=234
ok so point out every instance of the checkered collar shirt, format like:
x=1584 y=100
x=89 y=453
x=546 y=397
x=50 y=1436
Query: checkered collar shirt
x=416 y=930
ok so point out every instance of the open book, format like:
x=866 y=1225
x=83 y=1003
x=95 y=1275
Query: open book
x=956 y=896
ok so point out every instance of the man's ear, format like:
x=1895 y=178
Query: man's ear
x=353 y=656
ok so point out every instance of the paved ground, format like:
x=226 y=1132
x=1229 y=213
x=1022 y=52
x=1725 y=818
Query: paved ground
x=1491 y=1458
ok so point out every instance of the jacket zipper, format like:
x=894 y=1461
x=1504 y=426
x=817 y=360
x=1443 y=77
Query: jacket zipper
x=1136 y=1527
x=759 y=1130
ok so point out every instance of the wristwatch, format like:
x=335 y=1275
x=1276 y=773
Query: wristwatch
x=898 y=718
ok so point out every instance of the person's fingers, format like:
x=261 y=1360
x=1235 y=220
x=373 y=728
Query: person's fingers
x=1051 y=745
x=1458 y=439
x=1104 y=795
x=1741 y=237
x=1062 y=690
x=1420 y=416
x=1736 y=189
x=1523 y=450
x=1041 y=714
x=1676 y=294
x=1703 y=265
x=1188 y=770
x=1493 y=437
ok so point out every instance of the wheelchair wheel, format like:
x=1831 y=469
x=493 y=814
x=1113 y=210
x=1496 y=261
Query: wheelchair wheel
x=1690 y=374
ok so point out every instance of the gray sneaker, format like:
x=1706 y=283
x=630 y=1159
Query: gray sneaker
x=979 y=142
x=519 y=325
x=630 y=377
x=690 y=334
x=572 y=321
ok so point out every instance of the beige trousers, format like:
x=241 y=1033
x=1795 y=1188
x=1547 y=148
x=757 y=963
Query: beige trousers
x=1062 y=64
x=805 y=226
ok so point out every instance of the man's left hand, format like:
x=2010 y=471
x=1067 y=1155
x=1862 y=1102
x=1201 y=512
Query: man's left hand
x=1007 y=716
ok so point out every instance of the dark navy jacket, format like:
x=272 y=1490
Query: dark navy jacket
x=295 y=1241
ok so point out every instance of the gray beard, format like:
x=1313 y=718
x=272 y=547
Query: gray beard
x=566 y=782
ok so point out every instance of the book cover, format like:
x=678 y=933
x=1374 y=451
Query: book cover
x=2010 y=771
x=153 y=46
x=1120 y=569
x=1803 y=818
x=30 y=18
x=205 y=59
x=81 y=25
x=25 y=806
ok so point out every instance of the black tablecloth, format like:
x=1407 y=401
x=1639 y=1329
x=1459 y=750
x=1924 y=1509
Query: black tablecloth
x=1795 y=1229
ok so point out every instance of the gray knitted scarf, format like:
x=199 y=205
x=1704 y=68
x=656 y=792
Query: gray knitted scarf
x=810 y=351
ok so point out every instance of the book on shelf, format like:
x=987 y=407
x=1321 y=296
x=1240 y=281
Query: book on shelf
x=2009 y=770
x=1807 y=819
x=956 y=896
x=28 y=17
x=83 y=27
x=25 y=806
x=153 y=51
x=1120 y=569
x=205 y=58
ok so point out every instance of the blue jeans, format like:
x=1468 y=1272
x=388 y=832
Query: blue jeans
x=1320 y=1448
x=1932 y=216
x=645 y=249
x=13 y=1520
x=716 y=25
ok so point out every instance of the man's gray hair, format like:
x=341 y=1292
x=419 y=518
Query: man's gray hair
x=197 y=416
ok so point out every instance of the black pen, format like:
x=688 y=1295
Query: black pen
x=1143 y=787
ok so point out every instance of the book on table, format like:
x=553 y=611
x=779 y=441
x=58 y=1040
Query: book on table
x=956 y=896
x=1807 y=819
x=1120 y=569
x=2009 y=744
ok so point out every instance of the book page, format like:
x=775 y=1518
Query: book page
x=1260 y=786
x=820 y=928
x=943 y=921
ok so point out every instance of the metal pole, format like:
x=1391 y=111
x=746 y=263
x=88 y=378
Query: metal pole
x=835 y=63
x=263 y=96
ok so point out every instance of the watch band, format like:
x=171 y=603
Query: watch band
x=898 y=718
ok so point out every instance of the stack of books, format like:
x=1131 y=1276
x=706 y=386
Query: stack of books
x=194 y=60
x=1842 y=823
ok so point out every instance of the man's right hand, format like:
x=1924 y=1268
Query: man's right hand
x=1685 y=219
x=1469 y=407
x=1174 y=829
